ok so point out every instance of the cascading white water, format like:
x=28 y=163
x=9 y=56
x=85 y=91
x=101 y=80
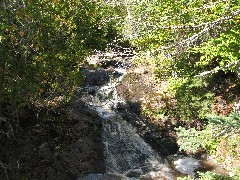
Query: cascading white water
x=126 y=153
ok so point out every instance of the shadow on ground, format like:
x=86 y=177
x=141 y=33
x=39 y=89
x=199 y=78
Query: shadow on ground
x=160 y=139
x=60 y=144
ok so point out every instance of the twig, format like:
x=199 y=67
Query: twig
x=221 y=133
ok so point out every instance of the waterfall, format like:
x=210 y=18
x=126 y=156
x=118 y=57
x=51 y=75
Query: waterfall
x=126 y=153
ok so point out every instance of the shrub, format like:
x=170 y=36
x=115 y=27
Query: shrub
x=220 y=138
x=43 y=45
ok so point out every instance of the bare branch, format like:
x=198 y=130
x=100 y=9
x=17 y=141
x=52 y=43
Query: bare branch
x=217 y=69
x=206 y=24
x=188 y=40
x=196 y=36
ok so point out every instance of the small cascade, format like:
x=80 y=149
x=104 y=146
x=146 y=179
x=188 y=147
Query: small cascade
x=126 y=153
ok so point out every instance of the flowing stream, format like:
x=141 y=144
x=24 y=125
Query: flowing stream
x=127 y=155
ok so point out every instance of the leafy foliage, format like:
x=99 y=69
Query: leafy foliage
x=218 y=126
x=194 y=99
x=231 y=123
x=192 y=43
x=220 y=138
x=188 y=40
x=167 y=22
x=43 y=45
x=191 y=36
x=191 y=140
x=222 y=52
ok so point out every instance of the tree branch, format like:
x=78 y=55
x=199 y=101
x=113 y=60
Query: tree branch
x=188 y=40
x=217 y=69
x=209 y=24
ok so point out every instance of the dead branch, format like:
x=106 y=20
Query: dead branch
x=217 y=69
x=205 y=24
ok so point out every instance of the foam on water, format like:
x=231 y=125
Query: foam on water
x=187 y=165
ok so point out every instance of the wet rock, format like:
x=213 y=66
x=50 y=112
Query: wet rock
x=92 y=91
x=96 y=77
x=99 y=77
x=134 y=173
x=113 y=63
x=164 y=174
x=103 y=177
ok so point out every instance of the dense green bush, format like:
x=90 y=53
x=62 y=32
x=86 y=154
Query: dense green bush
x=220 y=138
x=194 y=99
x=43 y=45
